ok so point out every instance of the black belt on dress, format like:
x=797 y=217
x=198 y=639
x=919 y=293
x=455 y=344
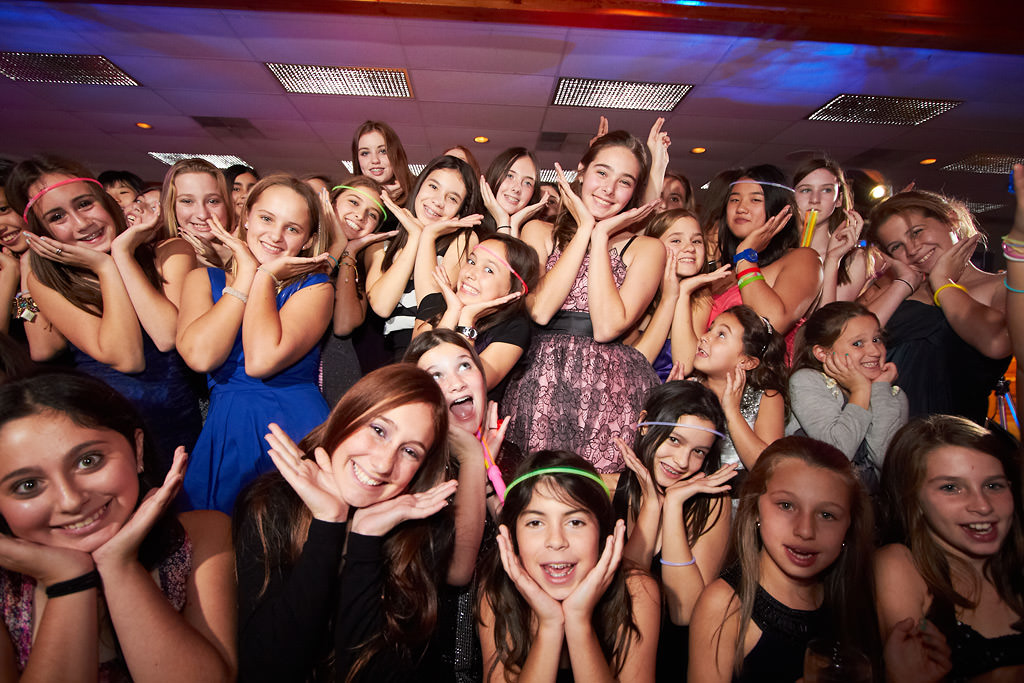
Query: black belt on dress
x=576 y=323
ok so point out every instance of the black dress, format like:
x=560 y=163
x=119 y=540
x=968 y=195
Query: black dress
x=973 y=654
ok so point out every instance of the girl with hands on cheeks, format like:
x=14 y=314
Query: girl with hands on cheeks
x=511 y=191
x=86 y=534
x=946 y=323
x=254 y=329
x=557 y=598
x=356 y=493
x=599 y=276
x=194 y=191
x=842 y=389
x=106 y=292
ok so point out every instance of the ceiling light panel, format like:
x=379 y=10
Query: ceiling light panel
x=982 y=207
x=41 y=67
x=985 y=163
x=549 y=175
x=218 y=160
x=892 y=111
x=416 y=169
x=589 y=92
x=342 y=80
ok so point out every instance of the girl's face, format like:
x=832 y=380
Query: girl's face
x=685 y=241
x=373 y=157
x=861 y=340
x=65 y=485
x=673 y=194
x=744 y=208
x=379 y=460
x=240 y=190
x=549 y=211
x=123 y=194
x=559 y=543
x=484 y=277
x=720 y=350
x=197 y=197
x=967 y=501
x=73 y=214
x=681 y=455
x=440 y=196
x=804 y=514
x=608 y=182
x=12 y=227
x=358 y=213
x=819 y=190
x=916 y=239
x=278 y=224
x=461 y=381
x=516 y=188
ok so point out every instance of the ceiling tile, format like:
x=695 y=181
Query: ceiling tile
x=481 y=88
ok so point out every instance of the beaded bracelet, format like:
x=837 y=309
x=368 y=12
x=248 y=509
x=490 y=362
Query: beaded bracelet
x=75 y=585
x=241 y=296
x=24 y=307
x=935 y=297
x=678 y=564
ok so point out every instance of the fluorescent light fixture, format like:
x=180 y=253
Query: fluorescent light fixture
x=550 y=175
x=706 y=186
x=342 y=80
x=45 y=67
x=874 y=109
x=982 y=207
x=416 y=169
x=590 y=92
x=218 y=160
x=347 y=165
x=985 y=163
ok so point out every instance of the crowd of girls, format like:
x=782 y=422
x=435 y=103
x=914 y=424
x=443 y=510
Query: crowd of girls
x=553 y=444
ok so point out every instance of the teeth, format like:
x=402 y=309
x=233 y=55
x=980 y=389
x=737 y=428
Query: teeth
x=85 y=522
x=559 y=570
x=459 y=401
x=982 y=528
x=363 y=477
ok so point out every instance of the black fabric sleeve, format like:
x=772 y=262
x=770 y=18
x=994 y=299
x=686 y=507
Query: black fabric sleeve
x=360 y=610
x=284 y=632
x=432 y=304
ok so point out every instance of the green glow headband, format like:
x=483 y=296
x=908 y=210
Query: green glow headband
x=365 y=194
x=558 y=470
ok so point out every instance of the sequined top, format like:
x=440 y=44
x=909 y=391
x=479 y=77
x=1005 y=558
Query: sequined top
x=750 y=404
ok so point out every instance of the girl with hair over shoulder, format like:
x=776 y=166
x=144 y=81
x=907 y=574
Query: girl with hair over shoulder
x=580 y=385
x=557 y=602
x=254 y=330
x=355 y=493
x=99 y=579
x=803 y=537
x=108 y=292
x=945 y=318
x=377 y=153
x=842 y=390
x=193 y=191
x=952 y=502
x=511 y=191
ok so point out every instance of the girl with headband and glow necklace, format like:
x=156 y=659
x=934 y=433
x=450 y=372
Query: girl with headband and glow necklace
x=108 y=292
x=557 y=600
x=676 y=502
x=486 y=303
x=756 y=235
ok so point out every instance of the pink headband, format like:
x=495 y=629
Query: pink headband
x=43 y=191
x=507 y=265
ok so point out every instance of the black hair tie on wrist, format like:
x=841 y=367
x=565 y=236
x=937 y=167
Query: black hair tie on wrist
x=75 y=585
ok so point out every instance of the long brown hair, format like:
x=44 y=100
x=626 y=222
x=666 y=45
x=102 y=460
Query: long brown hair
x=845 y=203
x=269 y=510
x=848 y=582
x=396 y=155
x=823 y=328
x=78 y=285
x=903 y=477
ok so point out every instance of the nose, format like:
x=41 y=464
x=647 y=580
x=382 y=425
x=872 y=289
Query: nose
x=804 y=525
x=382 y=461
x=979 y=502
x=555 y=538
x=69 y=498
x=452 y=383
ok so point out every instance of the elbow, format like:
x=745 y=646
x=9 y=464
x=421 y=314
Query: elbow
x=381 y=308
x=196 y=361
x=130 y=366
x=605 y=334
x=259 y=367
x=999 y=347
x=542 y=318
x=679 y=613
x=343 y=328
x=165 y=343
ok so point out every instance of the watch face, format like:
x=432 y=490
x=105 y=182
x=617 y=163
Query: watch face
x=467 y=332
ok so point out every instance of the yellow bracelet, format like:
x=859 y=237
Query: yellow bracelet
x=935 y=298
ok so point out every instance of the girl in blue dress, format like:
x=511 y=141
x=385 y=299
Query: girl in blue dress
x=254 y=328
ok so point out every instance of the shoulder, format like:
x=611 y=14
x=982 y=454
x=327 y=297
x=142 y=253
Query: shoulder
x=715 y=601
x=175 y=246
x=644 y=250
x=894 y=558
x=203 y=277
x=807 y=378
x=802 y=259
x=539 y=235
x=209 y=530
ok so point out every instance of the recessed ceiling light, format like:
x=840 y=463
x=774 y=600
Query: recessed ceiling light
x=698 y=150
x=706 y=186
x=589 y=92
x=143 y=125
x=342 y=80
x=927 y=162
x=218 y=160
x=549 y=175
x=985 y=163
x=878 y=191
x=982 y=207
x=45 y=67
x=893 y=111
x=481 y=139
x=416 y=169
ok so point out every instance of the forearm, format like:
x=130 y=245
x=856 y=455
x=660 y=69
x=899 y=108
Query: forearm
x=349 y=305
x=206 y=341
x=545 y=654
x=157 y=315
x=654 y=335
x=608 y=313
x=761 y=297
x=387 y=289
x=119 y=338
x=684 y=334
x=157 y=643
x=269 y=342
x=830 y=284
x=585 y=654
x=748 y=444
x=9 y=284
x=65 y=648
x=886 y=303
x=888 y=414
x=682 y=582
x=643 y=538
x=824 y=417
x=981 y=326
x=554 y=286
x=470 y=512
x=425 y=265
x=360 y=612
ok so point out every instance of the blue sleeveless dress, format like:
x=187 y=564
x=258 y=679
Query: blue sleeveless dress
x=231 y=451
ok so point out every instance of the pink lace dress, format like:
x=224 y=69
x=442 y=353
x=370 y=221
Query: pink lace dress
x=576 y=394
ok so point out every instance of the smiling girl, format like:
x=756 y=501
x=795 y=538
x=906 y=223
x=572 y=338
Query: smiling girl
x=556 y=600
x=377 y=153
x=842 y=389
x=85 y=532
x=193 y=191
x=254 y=329
x=511 y=191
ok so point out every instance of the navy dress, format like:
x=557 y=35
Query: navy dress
x=231 y=451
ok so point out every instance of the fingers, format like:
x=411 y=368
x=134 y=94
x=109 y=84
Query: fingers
x=652 y=137
x=323 y=459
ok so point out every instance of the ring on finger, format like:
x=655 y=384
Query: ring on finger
x=59 y=251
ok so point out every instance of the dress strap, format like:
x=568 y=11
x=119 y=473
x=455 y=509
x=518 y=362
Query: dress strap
x=630 y=242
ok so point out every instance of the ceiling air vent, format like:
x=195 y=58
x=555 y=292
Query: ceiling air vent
x=601 y=94
x=342 y=80
x=237 y=127
x=985 y=163
x=41 y=67
x=549 y=141
x=890 y=111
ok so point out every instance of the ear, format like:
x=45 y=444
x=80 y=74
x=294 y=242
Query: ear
x=819 y=353
x=309 y=242
x=579 y=168
x=140 y=439
x=748 y=363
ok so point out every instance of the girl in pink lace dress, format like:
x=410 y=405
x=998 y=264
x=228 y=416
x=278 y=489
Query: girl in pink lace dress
x=581 y=386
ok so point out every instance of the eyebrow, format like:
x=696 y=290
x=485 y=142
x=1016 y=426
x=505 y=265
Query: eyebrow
x=72 y=452
x=628 y=175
